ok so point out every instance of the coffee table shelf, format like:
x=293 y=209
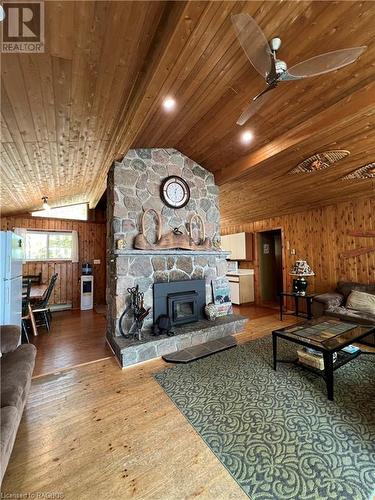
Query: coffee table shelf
x=342 y=359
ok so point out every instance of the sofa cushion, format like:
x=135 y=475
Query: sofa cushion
x=10 y=418
x=345 y=287
x=11 y=393
x=352 y=315
x=10 y=337
x=361 y=301
x=16 y=371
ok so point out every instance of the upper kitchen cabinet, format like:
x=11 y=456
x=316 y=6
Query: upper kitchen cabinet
x=239 y=244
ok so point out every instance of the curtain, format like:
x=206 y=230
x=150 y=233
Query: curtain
x=75 y=251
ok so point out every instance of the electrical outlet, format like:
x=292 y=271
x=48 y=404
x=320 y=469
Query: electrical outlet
x=96 y=261
x=292 y=252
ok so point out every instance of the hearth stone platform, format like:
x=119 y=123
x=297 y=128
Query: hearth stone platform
x=130 y=352
x=201 y=351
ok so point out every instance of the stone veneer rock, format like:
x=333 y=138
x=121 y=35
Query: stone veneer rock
x=130 y=352
x=140 y=267
x=133 y=186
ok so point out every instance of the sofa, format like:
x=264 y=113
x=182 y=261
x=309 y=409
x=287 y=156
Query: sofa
x=17 y=365
x=334 y=304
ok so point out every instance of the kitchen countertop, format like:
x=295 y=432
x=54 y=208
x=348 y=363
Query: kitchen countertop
x=240 y=272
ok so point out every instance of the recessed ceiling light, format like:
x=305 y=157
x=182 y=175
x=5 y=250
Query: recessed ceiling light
x=169 y=103
x=247 y=137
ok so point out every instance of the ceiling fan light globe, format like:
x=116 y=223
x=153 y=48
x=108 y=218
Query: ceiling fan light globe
x=275 y=44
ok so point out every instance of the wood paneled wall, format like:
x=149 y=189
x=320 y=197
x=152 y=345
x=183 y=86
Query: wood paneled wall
x=320 y=236
x=92 y=245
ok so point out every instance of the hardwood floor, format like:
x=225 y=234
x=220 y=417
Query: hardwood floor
x=76 y=337
x=96 y=431
x=253 y=312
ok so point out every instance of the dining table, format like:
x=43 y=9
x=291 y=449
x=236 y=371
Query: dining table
x=37 y=291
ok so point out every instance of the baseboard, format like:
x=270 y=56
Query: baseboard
x=60 y=307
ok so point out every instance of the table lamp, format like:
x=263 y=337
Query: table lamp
x=301 y=269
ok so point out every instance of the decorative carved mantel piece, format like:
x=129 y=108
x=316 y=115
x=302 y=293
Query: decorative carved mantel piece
x=175 y=239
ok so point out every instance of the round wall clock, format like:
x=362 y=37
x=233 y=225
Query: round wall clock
x=175 y=192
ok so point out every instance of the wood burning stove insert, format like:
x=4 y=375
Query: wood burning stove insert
x=182 y=301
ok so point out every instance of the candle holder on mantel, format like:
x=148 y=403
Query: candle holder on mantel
x=301 y=269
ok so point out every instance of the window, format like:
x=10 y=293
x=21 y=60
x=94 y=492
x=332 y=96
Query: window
x=76 y=212
x=49 y=245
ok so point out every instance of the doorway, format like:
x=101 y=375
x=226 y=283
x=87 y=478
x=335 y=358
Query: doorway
x=270 y=266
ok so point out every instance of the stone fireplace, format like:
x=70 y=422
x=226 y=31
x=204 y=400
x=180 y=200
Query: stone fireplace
x=133 y=186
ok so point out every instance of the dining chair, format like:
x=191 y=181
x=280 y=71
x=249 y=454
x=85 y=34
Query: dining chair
x=41 y=309
x=25 y=309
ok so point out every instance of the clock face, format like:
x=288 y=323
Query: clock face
x=175 y=192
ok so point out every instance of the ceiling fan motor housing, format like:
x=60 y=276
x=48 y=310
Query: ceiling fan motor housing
x=280 y=67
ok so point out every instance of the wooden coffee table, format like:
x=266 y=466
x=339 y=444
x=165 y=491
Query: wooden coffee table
x=326 y=335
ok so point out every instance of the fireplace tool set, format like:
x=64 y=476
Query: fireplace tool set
x=139 y=312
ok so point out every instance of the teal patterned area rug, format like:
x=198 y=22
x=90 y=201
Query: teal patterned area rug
x=276 y=432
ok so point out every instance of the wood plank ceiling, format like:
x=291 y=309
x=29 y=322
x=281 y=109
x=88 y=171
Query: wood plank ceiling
x=97 y=91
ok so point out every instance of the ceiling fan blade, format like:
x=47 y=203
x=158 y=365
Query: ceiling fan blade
x=324 y=63
x=254 y=106
x=254 y=43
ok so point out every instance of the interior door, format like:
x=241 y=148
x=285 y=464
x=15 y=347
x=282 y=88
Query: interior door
x=270 y=262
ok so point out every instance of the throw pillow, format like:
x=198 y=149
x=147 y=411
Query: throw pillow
x=361 y=301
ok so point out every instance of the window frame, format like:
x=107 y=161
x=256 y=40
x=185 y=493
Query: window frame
x=49 y=232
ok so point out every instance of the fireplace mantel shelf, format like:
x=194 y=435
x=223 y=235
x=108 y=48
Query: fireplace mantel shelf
x=133 y=252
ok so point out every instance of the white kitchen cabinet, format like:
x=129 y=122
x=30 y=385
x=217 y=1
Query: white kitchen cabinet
x=240 y=245
x=241 y=285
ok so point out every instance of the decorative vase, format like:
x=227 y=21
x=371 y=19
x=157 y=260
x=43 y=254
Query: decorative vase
x=300 y=285
x=211 y=311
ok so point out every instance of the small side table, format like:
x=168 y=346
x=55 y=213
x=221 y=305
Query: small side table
x=308 y=297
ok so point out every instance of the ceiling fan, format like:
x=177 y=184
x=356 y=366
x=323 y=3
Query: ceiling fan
x=263 y=56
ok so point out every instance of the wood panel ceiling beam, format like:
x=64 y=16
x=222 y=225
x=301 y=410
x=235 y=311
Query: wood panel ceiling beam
x=322 y=123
